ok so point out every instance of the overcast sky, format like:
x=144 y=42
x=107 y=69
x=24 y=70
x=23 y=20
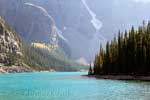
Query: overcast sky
x=142 y=1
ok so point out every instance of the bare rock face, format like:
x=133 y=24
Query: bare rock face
x=10 y=50
x=10 y=44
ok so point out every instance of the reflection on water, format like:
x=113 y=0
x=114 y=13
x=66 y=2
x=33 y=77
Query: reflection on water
x=69 y=86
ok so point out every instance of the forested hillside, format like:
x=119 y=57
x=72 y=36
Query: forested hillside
x=42 y=59
x=18 y=56
x=129 y=53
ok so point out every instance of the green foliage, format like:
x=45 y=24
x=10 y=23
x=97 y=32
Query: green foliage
x=129 y=55
x=11 y=60
x=41 y=59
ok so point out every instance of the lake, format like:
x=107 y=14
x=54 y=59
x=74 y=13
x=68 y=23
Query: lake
x=69 y=86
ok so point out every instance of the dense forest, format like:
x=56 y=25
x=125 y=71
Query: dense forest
x=126 y=54
x=41 y=59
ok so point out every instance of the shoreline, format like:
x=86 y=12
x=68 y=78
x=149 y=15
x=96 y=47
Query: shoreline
x=14 y=69
x=20 y=69
x=120 y=77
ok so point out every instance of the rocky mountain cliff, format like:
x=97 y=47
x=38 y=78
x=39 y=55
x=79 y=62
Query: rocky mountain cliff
x=9 y=42
x=11 y=53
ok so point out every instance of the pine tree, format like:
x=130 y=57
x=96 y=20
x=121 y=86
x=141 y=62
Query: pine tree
x=90 y=70
x=130 y=54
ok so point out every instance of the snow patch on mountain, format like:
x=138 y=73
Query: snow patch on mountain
x=61 y=36
x=96 y=22
x=97 y=25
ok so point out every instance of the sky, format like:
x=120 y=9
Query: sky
x=142 y=1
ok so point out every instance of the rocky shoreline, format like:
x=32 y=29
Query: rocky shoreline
x=20 y=69
x=14 y=69
x=120 y=77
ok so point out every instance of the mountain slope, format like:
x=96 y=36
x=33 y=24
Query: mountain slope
x=11 y=52
x=33 y=25
x=46 y=59
x=18 y=56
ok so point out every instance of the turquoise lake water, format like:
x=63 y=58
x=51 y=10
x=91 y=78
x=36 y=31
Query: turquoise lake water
x=69 y=86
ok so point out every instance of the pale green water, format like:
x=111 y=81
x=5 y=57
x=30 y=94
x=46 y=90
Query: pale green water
x=69 y=86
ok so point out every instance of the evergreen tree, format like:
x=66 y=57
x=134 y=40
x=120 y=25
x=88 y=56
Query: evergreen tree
x=130 y=54
x=90 y=70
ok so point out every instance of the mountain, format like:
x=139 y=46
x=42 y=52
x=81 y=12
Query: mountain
x=78 y=25
x=11 y=52
x=18 y=56
x=30 y=21
x=27 y=18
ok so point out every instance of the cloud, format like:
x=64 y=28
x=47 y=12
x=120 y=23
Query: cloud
x=142 y=1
